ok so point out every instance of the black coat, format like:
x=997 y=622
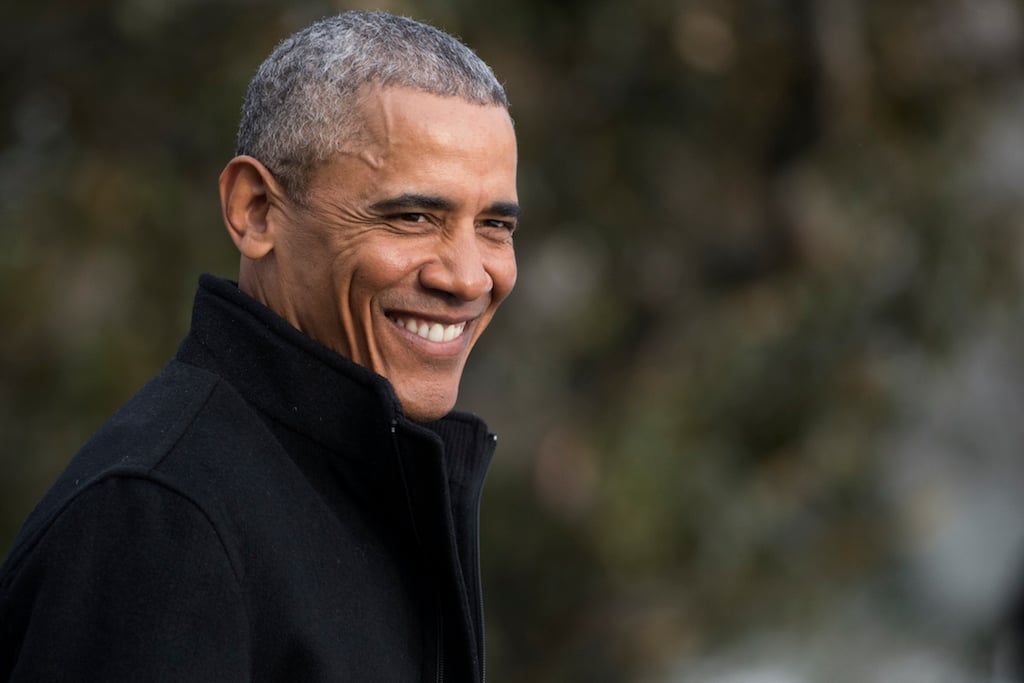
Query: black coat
x=261 y=511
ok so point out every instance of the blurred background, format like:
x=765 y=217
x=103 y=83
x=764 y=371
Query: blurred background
x=759 y=391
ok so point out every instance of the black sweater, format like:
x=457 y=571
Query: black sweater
x=261 y=510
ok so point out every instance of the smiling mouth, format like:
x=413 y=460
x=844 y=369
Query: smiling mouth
x=431 y=331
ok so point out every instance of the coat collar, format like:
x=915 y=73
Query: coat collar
x=308 y=387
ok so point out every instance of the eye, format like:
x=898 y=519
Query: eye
x=497 y=230
x=510 y=226
x=412 y=217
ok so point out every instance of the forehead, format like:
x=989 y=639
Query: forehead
x=399 y=115
x=411 y=138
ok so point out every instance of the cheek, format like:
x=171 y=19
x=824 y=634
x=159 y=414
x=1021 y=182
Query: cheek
x=503 y=273
x=376 y=267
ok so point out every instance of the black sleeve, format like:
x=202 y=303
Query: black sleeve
x=131 y=582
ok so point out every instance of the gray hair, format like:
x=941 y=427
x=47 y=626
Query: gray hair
x=301 y=105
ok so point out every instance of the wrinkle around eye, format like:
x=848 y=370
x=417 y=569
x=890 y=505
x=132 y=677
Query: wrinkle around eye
x=409 y=223
x=330 y=213
x=497 y=235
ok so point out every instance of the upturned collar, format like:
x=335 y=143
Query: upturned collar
x=306 y=386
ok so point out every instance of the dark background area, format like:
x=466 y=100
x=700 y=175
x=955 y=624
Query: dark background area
x=759 y=390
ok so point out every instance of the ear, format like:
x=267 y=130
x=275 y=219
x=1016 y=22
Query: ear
x=247 y=190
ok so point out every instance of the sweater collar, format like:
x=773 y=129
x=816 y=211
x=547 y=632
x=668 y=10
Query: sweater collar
x=298 y=381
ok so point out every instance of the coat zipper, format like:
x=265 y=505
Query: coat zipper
x=440 y=643
x=439 y=678
x=493 y=439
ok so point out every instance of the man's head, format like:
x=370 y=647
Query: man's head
x=302 y=105
x=373 y=198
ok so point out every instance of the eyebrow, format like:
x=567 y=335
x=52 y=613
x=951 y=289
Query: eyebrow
x=412 y=201
x=506 y=209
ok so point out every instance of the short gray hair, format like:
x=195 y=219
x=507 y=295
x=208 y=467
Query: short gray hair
x=301 y=105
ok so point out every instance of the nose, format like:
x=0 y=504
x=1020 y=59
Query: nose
x=458 y=268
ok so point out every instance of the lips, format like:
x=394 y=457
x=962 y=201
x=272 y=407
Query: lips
x=429 y=330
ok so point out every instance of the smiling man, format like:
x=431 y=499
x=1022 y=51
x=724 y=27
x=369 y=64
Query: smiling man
x=401 y=249
x=292 y=498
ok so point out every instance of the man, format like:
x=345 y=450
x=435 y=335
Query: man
x=292 y=498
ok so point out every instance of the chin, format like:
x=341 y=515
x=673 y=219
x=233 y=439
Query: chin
x=426 y=411
x=426 y=415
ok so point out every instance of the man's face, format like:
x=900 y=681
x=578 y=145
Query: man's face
x=405 y=250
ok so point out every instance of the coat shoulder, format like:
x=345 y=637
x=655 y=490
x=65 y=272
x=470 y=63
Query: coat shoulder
x=184 y=413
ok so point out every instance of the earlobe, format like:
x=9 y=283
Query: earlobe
x=245 y=199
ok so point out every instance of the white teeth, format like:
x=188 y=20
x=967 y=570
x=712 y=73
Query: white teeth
x=435 y=332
